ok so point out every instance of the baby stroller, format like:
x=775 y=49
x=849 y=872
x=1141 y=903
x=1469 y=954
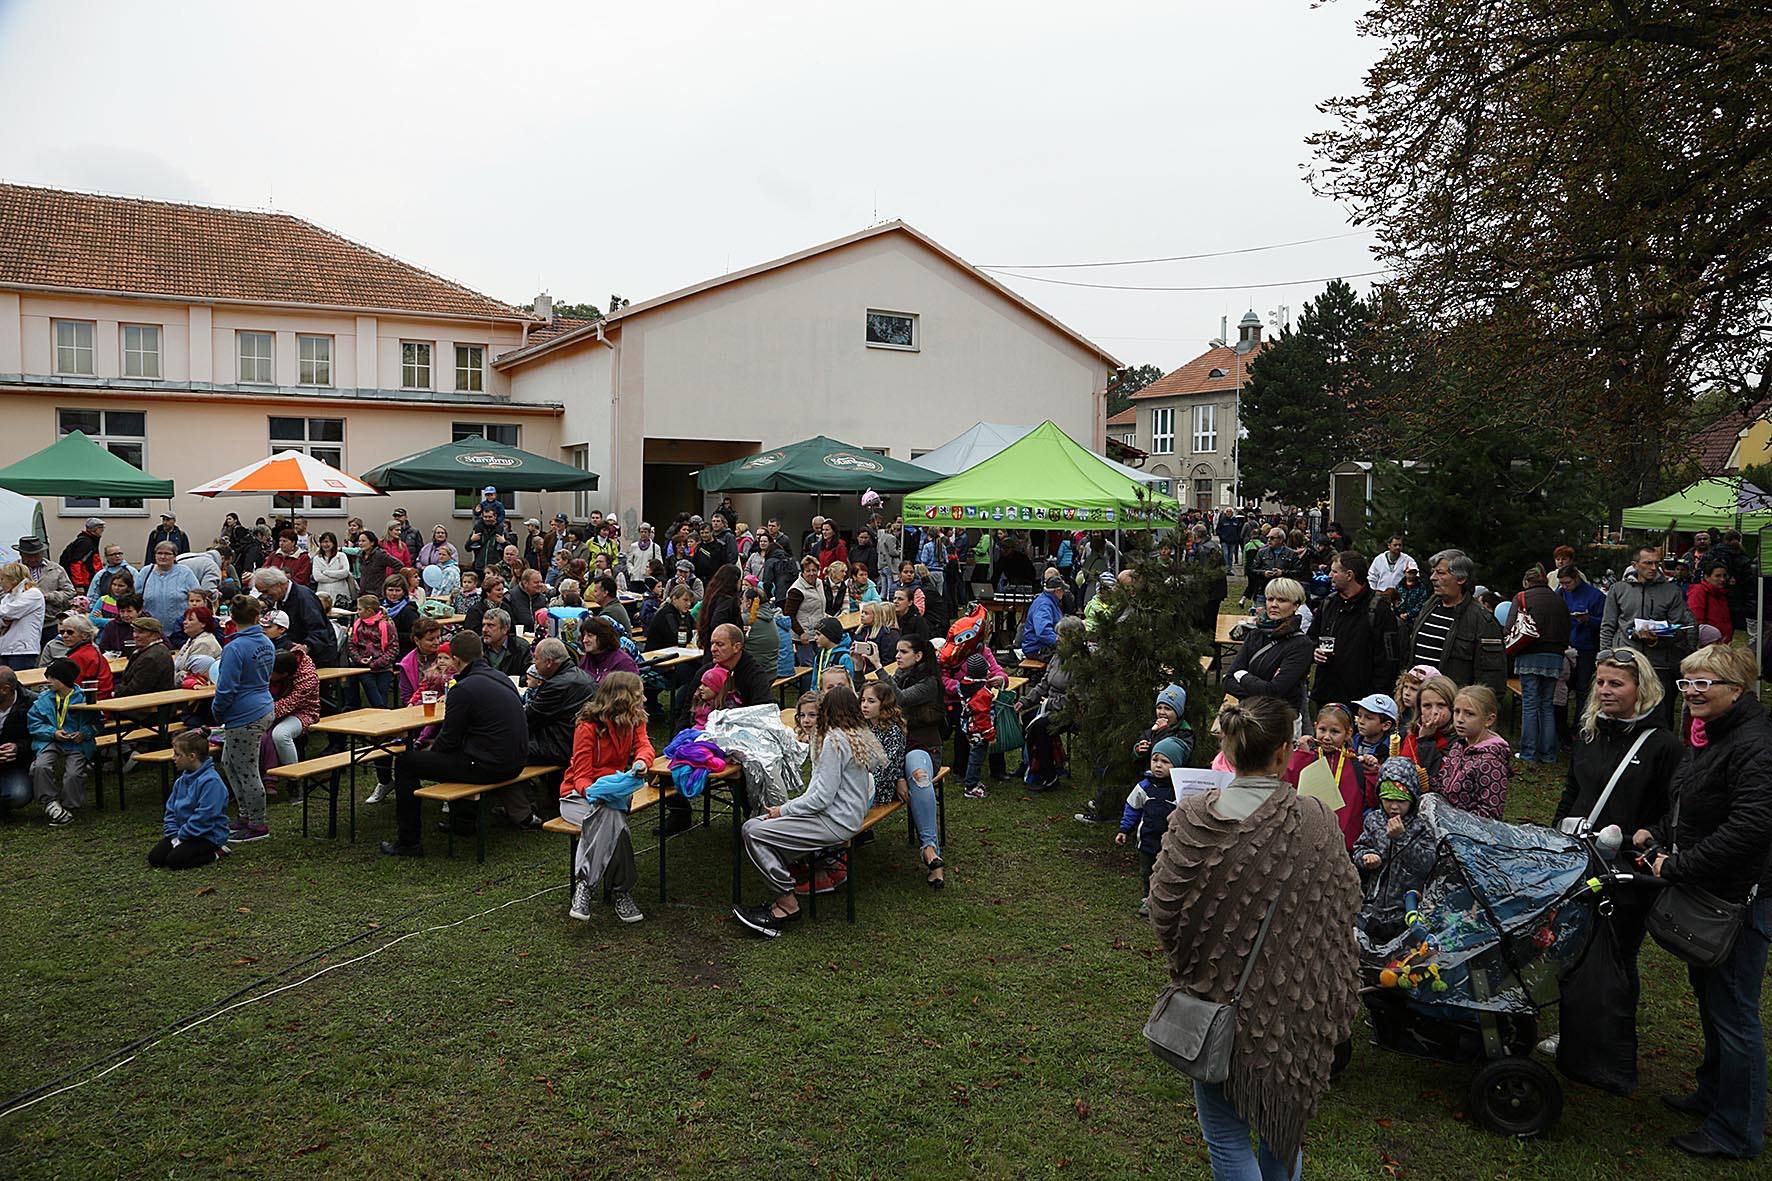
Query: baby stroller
x=1506 y=910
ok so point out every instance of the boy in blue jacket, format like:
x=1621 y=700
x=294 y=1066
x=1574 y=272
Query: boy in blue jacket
x=489 y=500
x=60 y=730
x=196 y=821
x=1148 y=809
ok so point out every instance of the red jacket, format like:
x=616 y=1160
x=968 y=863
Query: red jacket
x=979 y=723
x=1357 y=794
x=298 y=566
x=1710 y=604
x=599 y=750
x=299 y=696
x=93 y=667
x=837 y=553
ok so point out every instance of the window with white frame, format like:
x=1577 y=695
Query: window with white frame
x=73 y=347
x=506 y=434
x=1206 y=427
x=580 y=458
x=256 y=351
x=415 y=365
x=322 y=438
x=1163 y=430
x=892 y=330
x=313 y=360
x=124 y=433
x=141 y=350
x=470 y=367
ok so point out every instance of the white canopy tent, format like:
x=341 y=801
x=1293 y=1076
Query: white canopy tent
x=985 y=439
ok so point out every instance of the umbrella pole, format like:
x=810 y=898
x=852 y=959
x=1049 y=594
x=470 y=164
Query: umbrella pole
x=1116 y=551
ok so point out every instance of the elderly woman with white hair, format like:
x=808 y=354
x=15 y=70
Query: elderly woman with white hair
x=77 y=633
x=1276 y=657
x=1715 y=839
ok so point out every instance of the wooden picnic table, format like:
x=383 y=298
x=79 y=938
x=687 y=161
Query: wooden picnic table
x=34 y=678
x=671 y=657
x=369 y=730
x=119 y=710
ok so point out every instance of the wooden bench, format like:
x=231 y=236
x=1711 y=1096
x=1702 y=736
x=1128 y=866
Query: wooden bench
x=451 y=792
x=646 y=797
x=779 y=686
x=1516 y=704
x=333 y=767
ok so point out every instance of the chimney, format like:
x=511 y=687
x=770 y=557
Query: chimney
x=544 y=307
x=1224 y=329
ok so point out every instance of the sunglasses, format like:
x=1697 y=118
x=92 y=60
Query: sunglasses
x=1700 y=684
x=1628 y=656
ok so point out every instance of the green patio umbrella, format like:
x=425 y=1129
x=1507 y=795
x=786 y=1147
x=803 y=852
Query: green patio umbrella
x=74 y=465
x=818 y=464
x=474 y=461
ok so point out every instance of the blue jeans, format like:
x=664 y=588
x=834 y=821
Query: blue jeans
x=1227 y=1141
x=977 y=751
x=20 y=662
x=376 y=687
x=1732 y=1076
x=15 y=787
x=1538 y=710
x=919 y=771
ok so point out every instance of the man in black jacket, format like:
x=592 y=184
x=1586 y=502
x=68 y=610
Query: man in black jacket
x=15 y=742
x=1363 y=658
x=308 y=625
x=167 y=530
x=552 y=706
x=529 y=596
x=484 y=738
x=504 y=649
x=1455 y=633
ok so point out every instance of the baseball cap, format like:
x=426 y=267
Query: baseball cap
x=560 y=518
x=94 y=523
x=399 y=512
x=1379 y=703
x=275 y=619
x=533 y=521
x=1054 y=582
x=168 y=516
x=488 y=490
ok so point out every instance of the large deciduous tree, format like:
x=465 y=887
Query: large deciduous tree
x=1576 y=199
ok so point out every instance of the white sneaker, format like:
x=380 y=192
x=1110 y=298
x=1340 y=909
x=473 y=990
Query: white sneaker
x=1548 y=1047
x=380 y=793
x=58 y=815
x=625 y=908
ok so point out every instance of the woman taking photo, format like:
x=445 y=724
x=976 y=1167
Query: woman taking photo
x=1232 y=859
x=332 y=572
x=1716 y=838
x=21 y=617
x=876 y=638
x=1276 y=655
x=1618 y=730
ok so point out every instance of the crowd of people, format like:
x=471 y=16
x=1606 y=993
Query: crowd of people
x=1379 y=677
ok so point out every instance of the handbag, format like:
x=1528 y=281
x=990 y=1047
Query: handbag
x=1008 y=724
x=1199 y=1037
x=1693 y=923
x=1522 y=630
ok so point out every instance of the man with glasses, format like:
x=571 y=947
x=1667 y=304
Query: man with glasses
x=1636 y=604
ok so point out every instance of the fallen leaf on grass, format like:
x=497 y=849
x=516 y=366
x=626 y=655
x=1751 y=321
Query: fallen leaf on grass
x=202 y=890
x=243 y=910
x=246 y=959
x=705 y=1075
x=1385 y=1123
x=320 y=1147
x=548 y=1083
x=1081 y=1108
x=692 y=1039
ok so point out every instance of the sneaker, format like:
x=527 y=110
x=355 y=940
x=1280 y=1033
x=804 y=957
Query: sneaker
x=1086 y=816
x=581 y=900
x=1144 y=908
x=395 y=849
x=382 y=791
x=249 y=832
x=1548 y=1047
x=530 y=823
x=625 y=908
x=58 y=815
x=763 y=919
x=977 y=792
x=825 y=881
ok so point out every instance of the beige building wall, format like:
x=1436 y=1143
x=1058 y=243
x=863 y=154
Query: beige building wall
x=201 y=421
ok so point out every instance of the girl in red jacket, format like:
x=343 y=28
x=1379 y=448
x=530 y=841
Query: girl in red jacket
x=1709 y=600
x=610 y=749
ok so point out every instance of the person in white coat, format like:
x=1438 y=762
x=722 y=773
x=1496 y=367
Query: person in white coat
x=21 y=618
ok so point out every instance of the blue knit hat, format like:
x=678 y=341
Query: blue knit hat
x=1175 y=697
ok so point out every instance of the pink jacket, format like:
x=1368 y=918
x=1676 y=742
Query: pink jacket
x=1475 y=777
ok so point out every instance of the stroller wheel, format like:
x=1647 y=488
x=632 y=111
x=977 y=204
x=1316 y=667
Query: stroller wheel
x=1516 y=1097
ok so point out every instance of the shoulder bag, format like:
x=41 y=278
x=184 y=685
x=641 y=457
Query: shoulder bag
x=1522 y=629
x=1199 y=1037
x=1693 y=923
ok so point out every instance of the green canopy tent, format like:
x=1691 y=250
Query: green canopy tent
x=1719 y=502
x=817 y=465
x=74 y=465
x=1044 y=480
x=474 y=461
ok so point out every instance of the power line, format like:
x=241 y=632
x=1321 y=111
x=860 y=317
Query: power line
x=1221 y=287
x=1133 y=262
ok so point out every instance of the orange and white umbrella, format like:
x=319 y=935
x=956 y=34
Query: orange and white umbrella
x=287 y=473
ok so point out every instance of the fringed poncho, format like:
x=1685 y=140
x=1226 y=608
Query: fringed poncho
x=1210 y=889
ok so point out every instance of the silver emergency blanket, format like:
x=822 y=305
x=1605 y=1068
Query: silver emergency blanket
x=754 y=736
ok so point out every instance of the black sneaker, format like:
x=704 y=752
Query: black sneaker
x=530 y=823
x=392 y=849
x=763 y=919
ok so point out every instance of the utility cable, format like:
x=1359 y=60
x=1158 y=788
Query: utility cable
x=1219 y=287
x=1136 y=262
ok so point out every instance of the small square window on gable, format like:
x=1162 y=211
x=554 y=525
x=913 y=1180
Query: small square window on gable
x=893 y=330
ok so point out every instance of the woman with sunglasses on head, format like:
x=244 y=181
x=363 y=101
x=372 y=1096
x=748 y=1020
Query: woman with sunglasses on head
x=1620 y=735
x=1717 y=838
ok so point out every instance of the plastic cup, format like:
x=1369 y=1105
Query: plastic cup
x=428 y=699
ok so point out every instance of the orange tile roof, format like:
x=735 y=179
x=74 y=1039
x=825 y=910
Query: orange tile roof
x=1126 y=417
x=542 y=333
x=54 y=238
x=1196 y=376
x=1715 y=443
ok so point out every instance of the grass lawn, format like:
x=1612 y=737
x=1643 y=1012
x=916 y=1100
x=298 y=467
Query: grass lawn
x=991 y=1030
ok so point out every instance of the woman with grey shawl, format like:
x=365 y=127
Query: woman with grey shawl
x=1228 y=854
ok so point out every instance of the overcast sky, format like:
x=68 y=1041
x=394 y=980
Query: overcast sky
x=636 y=148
